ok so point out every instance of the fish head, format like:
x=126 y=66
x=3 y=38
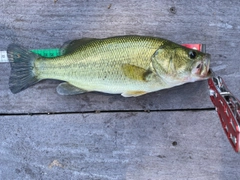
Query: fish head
x=178 y=64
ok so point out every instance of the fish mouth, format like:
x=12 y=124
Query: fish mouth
x=205 y=71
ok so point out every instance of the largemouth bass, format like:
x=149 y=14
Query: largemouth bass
x=126 y=65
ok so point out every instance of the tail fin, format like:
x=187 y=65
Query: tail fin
x=22 y=66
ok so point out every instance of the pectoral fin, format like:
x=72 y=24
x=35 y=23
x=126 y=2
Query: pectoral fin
x=137 y=73
x=67 y=89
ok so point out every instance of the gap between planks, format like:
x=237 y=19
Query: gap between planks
x=113 y=111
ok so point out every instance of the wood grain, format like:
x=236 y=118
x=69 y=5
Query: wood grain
x=116 y=146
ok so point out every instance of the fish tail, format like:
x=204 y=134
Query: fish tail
x=22 y=68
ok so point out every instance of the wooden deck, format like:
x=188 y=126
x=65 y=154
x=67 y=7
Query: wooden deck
x=170 y=134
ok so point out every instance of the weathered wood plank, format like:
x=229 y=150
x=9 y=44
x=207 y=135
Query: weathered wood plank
x=180 y=145
x=118 y=145
x=47 y=24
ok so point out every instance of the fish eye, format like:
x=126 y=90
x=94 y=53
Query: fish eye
x=192 y=54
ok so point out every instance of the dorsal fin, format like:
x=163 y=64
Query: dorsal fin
x=71 y=46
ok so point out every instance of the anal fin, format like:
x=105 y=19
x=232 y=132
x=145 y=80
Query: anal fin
x=67 y=89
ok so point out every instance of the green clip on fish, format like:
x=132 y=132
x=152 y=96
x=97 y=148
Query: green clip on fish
x=126 y=65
